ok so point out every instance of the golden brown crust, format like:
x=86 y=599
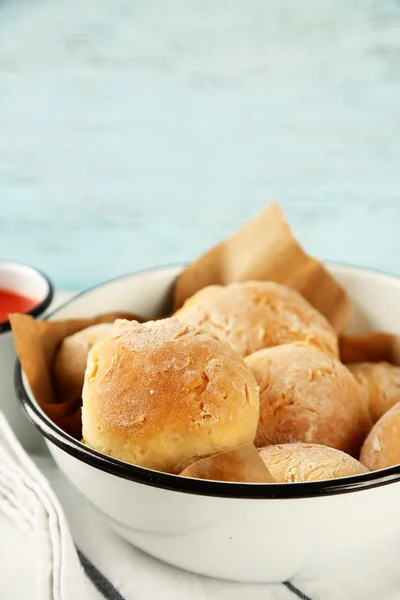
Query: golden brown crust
x=164 y=394
x=258 y=314
x=381 y=448
x=308 y=396
x=308 y=462
x=380 y=384
x=70 y=359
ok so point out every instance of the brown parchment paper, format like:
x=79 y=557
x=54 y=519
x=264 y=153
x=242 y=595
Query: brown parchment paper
x=242 y=465
x=370 y=347
x=35 y=343
x=265 y=249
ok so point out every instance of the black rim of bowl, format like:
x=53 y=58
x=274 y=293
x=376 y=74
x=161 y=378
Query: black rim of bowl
x=38 y=309
x=185 y=484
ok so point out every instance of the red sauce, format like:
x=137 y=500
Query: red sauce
x=10 y=302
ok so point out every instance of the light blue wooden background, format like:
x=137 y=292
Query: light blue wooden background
x=136 y=133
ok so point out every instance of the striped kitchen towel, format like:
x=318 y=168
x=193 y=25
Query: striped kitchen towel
x=41 y=514
x=38 y=559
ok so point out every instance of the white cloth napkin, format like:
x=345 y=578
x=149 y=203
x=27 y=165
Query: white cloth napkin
x=38 y=558
x=36 y=549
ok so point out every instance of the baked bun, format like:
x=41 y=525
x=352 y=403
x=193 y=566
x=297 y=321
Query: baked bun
x=381 y=449
x=70 y=359
x=380 y=384
x=308 y=462
x=308 y=396
x=163 y=394
x=258 y=314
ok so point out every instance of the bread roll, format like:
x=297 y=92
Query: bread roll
x=308 y=396
x=70 y=359
x=381 y=449
x=163 y=394
x=380 y=384
x=257 y=314
x=308 y=462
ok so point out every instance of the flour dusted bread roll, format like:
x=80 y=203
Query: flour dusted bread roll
x=380 y=384
x=308 y=396
x=257 y=314
x=164 y=394
x=381 y=448
x=70 y=360
x=308 y=462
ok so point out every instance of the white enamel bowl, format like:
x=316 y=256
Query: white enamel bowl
x=242 y=532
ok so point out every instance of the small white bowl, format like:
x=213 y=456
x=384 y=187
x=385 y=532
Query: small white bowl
x=27 y=281
x=242 y=532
